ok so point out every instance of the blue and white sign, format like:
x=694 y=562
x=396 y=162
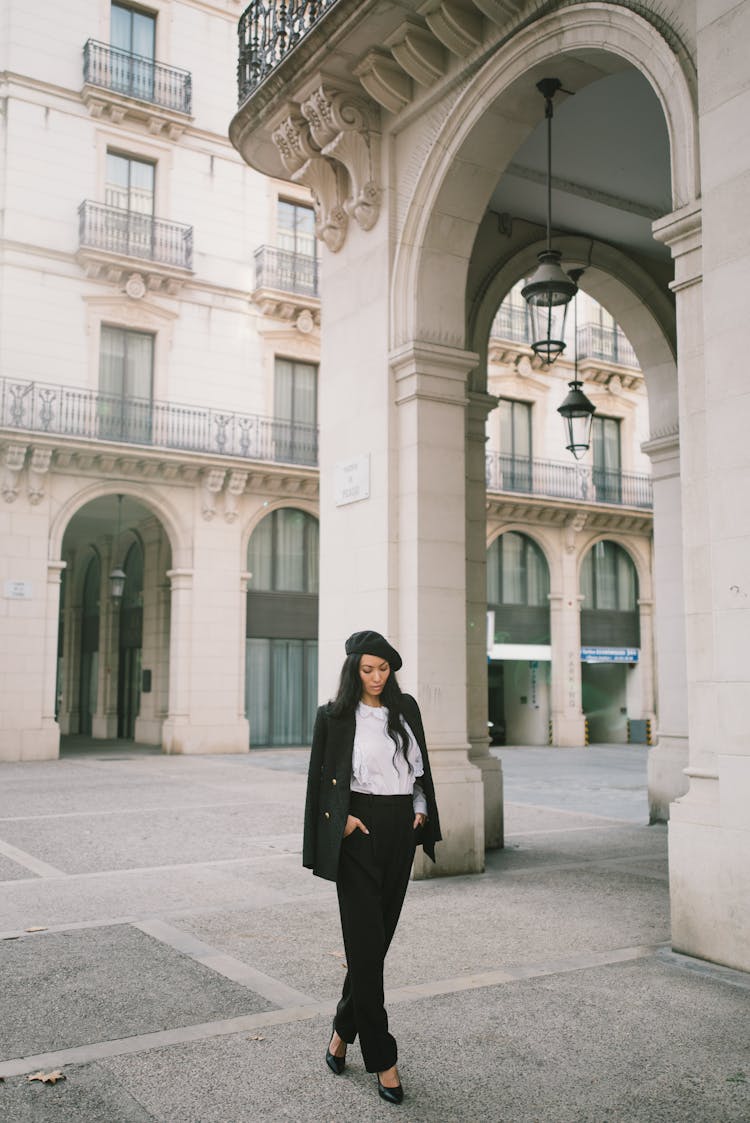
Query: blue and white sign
x=609 y=654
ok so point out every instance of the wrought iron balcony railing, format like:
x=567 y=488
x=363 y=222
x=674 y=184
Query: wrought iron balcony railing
x=610 y=344
x=134 y=234
x=512 y=322
x=67 y=412
x=287 y=271
x=135 y=76
x=558 y=480
x=268 y=30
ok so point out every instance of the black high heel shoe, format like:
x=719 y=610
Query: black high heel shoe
x=391 y=1095
x=336 y=1064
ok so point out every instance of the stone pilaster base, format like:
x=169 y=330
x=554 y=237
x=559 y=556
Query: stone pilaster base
x=460 y=799
x=667 y=781
x=187 y=737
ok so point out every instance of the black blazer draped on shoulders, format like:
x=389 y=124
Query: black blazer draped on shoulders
x=328 y=789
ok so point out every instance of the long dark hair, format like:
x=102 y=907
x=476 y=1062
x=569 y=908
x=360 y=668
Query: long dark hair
x=349 y=696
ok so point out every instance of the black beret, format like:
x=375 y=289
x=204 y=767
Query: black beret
x=372 y=643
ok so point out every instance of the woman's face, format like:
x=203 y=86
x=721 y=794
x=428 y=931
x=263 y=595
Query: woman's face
x=373 y=672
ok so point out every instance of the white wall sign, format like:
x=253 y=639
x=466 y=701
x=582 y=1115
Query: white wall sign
x=18 y=590
x=351 y=480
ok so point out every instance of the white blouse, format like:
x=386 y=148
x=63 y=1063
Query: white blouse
x=374 y=770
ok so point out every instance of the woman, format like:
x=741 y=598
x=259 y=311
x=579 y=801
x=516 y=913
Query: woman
x=370 y=801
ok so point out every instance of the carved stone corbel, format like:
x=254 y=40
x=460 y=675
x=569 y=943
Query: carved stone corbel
x=384 y=80
x=213 y=482
x=41 y=458
x=575 y=524
x=304 y=162
x=455 y=23
x=342 y=126
x=418 y=52
x=13 y=462
x=235 y=488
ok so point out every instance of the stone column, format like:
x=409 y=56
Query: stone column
x=668 y=757
x=639 y=682
x=69 y=715
x=104 y=720
x=148 y=723
x=568 y=722
x=430 y=394
x=44 y=743
x=479 y=406
x=176 y=726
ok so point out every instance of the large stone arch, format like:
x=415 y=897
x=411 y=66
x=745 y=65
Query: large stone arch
x=467 y=157
x=177 y=533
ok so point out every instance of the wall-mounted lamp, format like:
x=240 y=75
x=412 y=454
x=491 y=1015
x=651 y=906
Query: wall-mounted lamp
x=550 y=289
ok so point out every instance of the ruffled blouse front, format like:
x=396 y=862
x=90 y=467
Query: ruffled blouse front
x=377 y=768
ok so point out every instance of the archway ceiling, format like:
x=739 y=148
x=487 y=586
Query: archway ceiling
x=610 y=165
x=99 y=517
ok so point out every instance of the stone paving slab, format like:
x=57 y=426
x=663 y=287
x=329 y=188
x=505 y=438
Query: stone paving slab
x=110 y=895
x=65 y=989
x=11 y=871
x=91 y=843
x=619 y=1043
x=88 y=1093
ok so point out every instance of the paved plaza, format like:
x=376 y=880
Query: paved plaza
x=161 y=944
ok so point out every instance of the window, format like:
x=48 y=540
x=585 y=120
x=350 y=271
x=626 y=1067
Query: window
x=608 y=579
x=518 y=589
x=515 y=444
x=609 y=585
x=129 y=184
x=605 y=440
x=295 y=228
x=133 y=31
x=133 y=37
x=296 y=411
x=126 y=361
x=283 y=553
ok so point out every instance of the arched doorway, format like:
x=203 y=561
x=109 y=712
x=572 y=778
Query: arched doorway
x=518 y=641
x=281 y=666
x=610 y=639
x=114 y=668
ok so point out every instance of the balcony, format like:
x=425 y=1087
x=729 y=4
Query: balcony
x=115 y=243
x=41 y=408
x=605 y=344
x=556 y=480
x=512 y=322
x=286 y=286
x=119 y=84
x=267 y=32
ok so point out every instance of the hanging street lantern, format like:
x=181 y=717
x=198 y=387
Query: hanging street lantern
x=117 y=575
x=577 y=411
x=549 y=290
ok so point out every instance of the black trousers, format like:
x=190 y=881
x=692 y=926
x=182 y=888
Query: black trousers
x=372 y=880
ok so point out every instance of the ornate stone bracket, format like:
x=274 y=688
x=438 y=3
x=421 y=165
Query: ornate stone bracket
x=213 y=482
x=41 y=458
x=13 y=462
x=235 y=488
x=341 y=124
x=329 y=143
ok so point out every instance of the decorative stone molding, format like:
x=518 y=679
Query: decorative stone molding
x=457 y=25
x=235 y=488
x=342 y=127
x=323 y=176
x=384 y=80
x=576 y=523
x=116 y=107
x=41 y=458
x=682 y=231
x=544 y=511
x=418 y=52
x=213 y=482
x=13 y=462
x=135 y=286
x=135 y=276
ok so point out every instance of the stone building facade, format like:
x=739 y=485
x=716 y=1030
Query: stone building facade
x=417 y=126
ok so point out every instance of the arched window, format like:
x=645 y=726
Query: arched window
x=518 y=589
x=282 y=629
x=609 y=586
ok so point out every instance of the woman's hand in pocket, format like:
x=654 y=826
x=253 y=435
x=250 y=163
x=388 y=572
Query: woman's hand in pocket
x=419 y=820
x=354 y=824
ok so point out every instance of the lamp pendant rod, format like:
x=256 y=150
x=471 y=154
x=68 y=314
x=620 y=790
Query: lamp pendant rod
x=548 y=113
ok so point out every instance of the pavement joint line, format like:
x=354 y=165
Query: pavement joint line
x=29 y=862
x=124 y=811
x=713 y=971
x=102 y=1050
x=569 y=830
x=140 y=870
x=273 y=990
x=578 y=814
